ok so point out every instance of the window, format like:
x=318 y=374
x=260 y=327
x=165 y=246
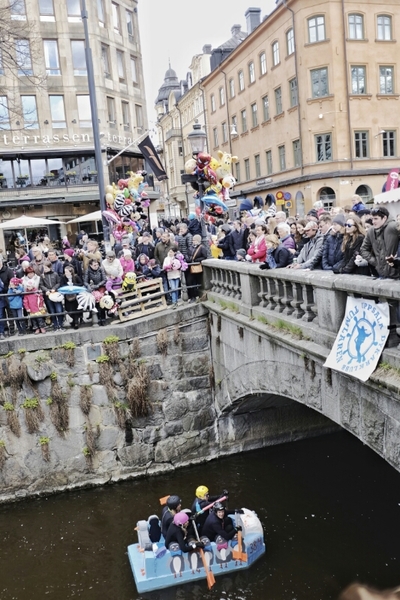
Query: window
x=241 y=81
x=278 y=100
x=23 y=57
x=247 y=169
x=224 y=133
x=252 y=73
x=275 y=54
x=290 y=42
x=296 y=153
x=316 y=29
x=389 y=143
x=319 y=83
x=4 y=114
x=386 y=80
x=234 y=123
x=263 y=63
x=265 y=102
x=221 y=96
x=323 y=147
x=115 y=17
x=358 y=80
x=74 y=8
x=125 y=115
x=232 y=88
x=51 y=57
x=212 y=100
x=254 y=117
x=133 y=69
x=57 y=112
x=100 y=11
x=244 y=120
x=257 y=165
x=105 y=59
x=46 y=8
x=282 y=158
x=18 y=12
x=121 y=66
x=139 y=118
x=84 y=111
x=361 y=144
x=129 y=24
x=294 y=97
x=356 y=27
x=78 y=57
x=268 y=156
x=111 y=112
x=215 y=137
x=384 y=23
x=237 y=171
x=29 y=112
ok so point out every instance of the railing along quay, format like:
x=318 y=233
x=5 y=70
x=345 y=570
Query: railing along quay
x=315 y=300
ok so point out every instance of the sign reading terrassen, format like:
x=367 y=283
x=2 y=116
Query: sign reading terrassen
x=361 y=338
x=65 y=138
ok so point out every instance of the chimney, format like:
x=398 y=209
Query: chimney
x=253 y=18
x=236 y=30
x=207 y=49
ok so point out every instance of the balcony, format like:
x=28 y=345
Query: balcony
x=173 y=133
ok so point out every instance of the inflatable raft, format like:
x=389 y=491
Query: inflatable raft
x=155 y=567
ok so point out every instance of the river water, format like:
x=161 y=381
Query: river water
x=330 y=508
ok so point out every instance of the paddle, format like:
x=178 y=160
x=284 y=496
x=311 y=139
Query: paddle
x=209 y=574
x=239 y=554
x=165 y=498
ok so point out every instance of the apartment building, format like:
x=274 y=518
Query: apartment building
x=47 y=163
x=313 y=92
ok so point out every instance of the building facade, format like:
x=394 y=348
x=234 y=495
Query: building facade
x=313 y=92
x=47 y=161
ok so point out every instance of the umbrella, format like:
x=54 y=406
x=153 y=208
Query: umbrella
x=71 y=289
x=25 y=223
x=93 y=216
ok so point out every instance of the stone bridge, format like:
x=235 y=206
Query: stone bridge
x=271 y=332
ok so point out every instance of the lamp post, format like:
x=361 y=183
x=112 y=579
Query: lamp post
x=95 y=123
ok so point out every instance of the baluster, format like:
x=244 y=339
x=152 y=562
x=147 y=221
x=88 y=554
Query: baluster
x=280 y=297
x=297 y=299
x=308 y=302
x=271 y=293
x=287 y=297
x=263 y=293
x=237 y=290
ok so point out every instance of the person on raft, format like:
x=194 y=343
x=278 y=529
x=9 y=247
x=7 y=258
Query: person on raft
x=202 y=499
x=218 y=523
x=178 y=532
x=173 y=506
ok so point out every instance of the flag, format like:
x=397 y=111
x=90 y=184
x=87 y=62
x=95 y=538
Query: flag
x=149 y=152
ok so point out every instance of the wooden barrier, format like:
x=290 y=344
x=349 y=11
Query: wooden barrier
x=148 y=298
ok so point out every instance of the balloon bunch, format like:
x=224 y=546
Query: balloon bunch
x=217 y=173
x=125 y=203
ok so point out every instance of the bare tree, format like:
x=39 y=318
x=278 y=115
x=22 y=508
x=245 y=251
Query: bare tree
x=19 y=51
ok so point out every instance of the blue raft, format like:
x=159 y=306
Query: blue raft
x=156 y=567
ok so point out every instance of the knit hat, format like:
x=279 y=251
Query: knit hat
x=69 y=252
x=127 y=252
x=15 y=280
x=241 y=253
x=197 y=238
x=340 y=219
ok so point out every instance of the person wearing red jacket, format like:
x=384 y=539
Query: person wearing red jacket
x=258 y=249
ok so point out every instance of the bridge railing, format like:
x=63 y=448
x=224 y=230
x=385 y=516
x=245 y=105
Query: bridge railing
x=315 y=299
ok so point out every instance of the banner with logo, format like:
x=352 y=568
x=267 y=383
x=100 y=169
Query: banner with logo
x=361 y=338
x=149 y=152
x=392 y=181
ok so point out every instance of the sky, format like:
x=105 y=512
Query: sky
x=176 y=30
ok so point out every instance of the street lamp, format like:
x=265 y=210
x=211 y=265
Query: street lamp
x=197 y=139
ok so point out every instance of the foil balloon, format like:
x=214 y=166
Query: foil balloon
x=86 y=301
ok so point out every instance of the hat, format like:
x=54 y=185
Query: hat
x=226 y=228
x=146 y=234
x=110 y=253
x=69 y=252
x=197 y=238
x=127 y=253
x=15 y=281
x=381 y=211
x=241 y=253
x=339 y=219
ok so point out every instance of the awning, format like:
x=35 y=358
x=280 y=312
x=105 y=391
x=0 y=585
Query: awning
x=392 y=196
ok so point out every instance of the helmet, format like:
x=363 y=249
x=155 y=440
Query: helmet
x=218 y=506
x=181 y=518
x=173 y=502
x=202 y=492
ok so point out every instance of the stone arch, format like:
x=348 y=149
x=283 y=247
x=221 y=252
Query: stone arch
x=365 y=192
x=327 y=196
x=299 y=203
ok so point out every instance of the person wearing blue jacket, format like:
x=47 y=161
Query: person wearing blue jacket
x=332 y=254
x=15 y=302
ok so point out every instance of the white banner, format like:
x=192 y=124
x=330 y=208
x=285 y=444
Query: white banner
x=361 y=338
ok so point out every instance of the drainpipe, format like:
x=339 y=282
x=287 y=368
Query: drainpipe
x=205 y=116
x=165 y=164
x=183 y=154
x=347 y=86
x=296 y=69
x=227 y=112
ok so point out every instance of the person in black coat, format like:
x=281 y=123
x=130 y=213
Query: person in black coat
x=352 y=262
x=70 y=300
x=194 y=280
x=226 y=244
x=332 y=253
x=218 y=523
x=278 y=256
x=178 y=532
x=239 y=235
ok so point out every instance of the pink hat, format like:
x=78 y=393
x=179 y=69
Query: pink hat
x=69 y=252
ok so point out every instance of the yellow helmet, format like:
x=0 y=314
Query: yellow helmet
x=202 y=492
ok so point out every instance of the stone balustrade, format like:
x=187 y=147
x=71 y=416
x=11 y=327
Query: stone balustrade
x=314 y=300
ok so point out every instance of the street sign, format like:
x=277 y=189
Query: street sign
x=288 y=204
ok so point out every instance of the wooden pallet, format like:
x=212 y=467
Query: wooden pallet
x=148 y=298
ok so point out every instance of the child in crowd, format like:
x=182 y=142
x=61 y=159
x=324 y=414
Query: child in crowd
x=33 y=300
x=15 y=302
x=172 y=266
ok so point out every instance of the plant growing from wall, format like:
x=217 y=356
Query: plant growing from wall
x=69 y=353
x=122 y=413
x=33 y=414
x=111 y=348
x=91 y=437
x=70 y=380
x=106 y=375
x=44 y=445
x=85 y=400
x=59 y=413
x=177 y=335
x=162 y=341
x=12 y=418
x=90 y=371
x=3 y=453
x=136 y=391
x=134 y=350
